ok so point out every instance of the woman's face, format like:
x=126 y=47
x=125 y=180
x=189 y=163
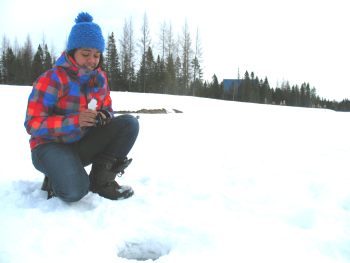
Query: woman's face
x=87 y=58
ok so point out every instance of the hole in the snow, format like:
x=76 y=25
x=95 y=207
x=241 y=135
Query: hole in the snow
x=143 y=251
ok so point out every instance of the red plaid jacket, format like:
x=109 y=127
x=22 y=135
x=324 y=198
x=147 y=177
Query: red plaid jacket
x=56 y=99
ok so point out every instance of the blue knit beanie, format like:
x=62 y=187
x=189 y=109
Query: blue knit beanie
x=85 y=34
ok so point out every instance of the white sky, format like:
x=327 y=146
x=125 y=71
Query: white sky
x=295 y=40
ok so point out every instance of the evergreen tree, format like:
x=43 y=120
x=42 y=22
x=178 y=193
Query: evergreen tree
x=9 y=67
x=4 y=45
x=141 y=75
x=295 y=96
x=150 y=71
x=48 y=61
x=38 y=63
x=286 y=93
x=278 y=96
x=308 y=96
x=157 y=76
x=216 y=90
x=112 y=64
x=160 y=75
x=314 y=99
x=266 y=96
x=26 y=62
x=255 y=92
x=262 y=93
x=170 y=77
x=2 y=80
x=205 y=90
x=178 y=79
x=245 y=89
x=197 y=71
x=302 y=95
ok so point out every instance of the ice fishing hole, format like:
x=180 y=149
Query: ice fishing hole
x=143 y=251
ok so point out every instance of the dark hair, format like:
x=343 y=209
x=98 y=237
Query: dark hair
x=100 y=63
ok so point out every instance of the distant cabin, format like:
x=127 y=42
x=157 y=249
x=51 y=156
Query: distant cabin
x=231 y=84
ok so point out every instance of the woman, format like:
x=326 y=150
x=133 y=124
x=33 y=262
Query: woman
x=70 y=120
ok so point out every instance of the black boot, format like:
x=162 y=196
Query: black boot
x=46 y=186
x=102 y=177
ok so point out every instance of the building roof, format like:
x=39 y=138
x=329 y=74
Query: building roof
x=231 y=83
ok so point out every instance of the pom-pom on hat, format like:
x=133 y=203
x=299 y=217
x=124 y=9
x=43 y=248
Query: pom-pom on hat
x=85 y=34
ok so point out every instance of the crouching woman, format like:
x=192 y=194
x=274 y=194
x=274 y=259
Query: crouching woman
x=70 y=119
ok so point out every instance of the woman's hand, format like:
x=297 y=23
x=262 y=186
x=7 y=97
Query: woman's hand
x=103 y=118
x=87 y=118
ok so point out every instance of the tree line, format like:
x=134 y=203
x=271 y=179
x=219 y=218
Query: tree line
x=20 y=66
x=172 y=66
x=253 y=89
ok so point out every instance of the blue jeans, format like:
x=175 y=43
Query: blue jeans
x=64 y=164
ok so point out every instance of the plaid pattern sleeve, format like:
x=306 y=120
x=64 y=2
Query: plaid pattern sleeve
x=107 y=102
x=43 y=118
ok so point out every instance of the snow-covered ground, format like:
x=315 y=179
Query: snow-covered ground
x=220 y=182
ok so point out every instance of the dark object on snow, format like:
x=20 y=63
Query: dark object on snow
x=105 y=169
x=46 y=186
x=148 y=111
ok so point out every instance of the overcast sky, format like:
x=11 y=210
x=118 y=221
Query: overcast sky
x=295 y=40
